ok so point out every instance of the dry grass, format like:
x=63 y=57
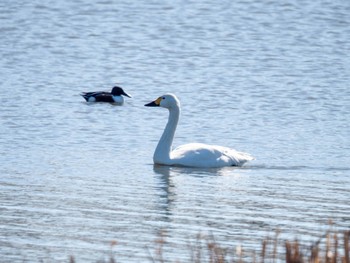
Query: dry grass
x=333 y=247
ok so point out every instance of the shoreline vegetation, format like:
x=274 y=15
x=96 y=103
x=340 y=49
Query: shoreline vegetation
x=332 y=247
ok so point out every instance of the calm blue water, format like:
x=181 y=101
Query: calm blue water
x=266 y=77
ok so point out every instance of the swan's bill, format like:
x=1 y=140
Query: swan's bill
x=154 y=103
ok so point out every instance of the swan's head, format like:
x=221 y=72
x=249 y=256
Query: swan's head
x=168 y=101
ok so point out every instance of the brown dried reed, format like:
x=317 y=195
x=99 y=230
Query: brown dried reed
x=333 y=247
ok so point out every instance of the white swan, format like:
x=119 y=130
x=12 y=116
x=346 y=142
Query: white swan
x=192 y=154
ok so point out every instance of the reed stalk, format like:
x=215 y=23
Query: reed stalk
x=327 y=249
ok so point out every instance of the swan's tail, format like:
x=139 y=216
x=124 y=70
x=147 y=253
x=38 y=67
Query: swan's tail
x=240 y=158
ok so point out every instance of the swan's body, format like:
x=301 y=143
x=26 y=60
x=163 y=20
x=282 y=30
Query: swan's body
x=192 y=154
x=115 y=96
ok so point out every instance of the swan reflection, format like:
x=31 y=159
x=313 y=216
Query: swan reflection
x=168 y=183
x=167 y=171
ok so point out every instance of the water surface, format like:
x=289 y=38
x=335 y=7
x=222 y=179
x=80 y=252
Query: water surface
x=268 y=78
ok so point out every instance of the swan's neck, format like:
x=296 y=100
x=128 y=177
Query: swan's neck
x=162 y=152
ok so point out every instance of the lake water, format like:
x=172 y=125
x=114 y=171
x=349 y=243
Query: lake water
x=270 y=78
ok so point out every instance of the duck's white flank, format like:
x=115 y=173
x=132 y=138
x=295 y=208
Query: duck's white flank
x=118 y=99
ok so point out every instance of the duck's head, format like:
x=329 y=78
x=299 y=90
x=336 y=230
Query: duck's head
x=168 y=101
x=117 y=91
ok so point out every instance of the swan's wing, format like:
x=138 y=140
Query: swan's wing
x=203 y=155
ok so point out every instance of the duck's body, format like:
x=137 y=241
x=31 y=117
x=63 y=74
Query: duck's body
x=192 y=154
x=115 y=96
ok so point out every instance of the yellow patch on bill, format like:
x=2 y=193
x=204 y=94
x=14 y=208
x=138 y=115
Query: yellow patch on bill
x=157 y=101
